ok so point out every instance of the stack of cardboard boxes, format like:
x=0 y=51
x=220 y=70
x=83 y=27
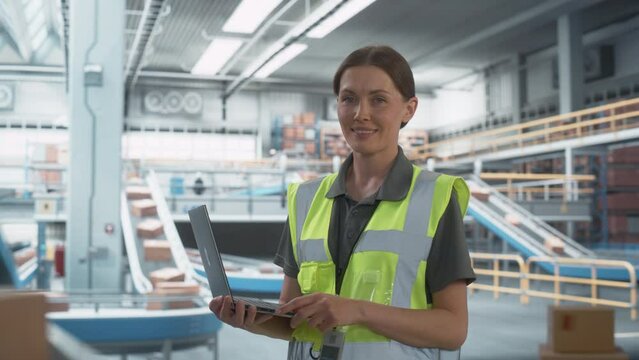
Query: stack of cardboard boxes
x=299 y=133
x=168 y=282
x=580 y=333
x=623 y=195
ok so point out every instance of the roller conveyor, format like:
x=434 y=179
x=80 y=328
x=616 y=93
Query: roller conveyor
x=17 y=268
x=528 y=234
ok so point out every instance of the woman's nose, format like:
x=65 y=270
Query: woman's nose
x=362 y=111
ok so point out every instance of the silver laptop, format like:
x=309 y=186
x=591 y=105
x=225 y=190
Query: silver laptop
x=218 y=282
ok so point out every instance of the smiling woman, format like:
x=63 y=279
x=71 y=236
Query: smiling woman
x=357 y=244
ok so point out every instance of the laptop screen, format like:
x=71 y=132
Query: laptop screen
x=211 y=259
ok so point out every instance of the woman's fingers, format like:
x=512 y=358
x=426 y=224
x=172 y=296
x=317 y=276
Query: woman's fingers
x=216 y=305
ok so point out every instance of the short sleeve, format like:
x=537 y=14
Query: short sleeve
x=284 y=257
x=449 y=260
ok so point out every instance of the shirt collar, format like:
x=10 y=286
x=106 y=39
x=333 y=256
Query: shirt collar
x=395 y=185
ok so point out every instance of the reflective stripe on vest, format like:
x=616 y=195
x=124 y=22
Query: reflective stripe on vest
x=388 y=264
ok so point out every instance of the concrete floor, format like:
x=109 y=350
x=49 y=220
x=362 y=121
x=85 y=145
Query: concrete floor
x=498 y=329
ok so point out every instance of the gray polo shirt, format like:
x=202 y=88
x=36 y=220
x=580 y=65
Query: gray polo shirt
x=448 y=260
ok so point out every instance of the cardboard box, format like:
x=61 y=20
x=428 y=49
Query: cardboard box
x=144 y=207
x=56 y=302
x=166 y=274
x=555 y=245
x=545 y=353
x=308 y=118
x=173 y=289
x=480 y=194
x=623 y=201
x=51 y=153
x=581 y=329
x=289 y=132
x=157 y=250
x=513 y=219
x=46 y=206
x=623 y=177
x=138 y=192
x=51 y=177
x=23 y=256
x=629 y=155
x=149 y=229
x=309 y=148
x=25 y=337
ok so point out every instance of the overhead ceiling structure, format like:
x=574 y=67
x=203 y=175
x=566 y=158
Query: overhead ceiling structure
x=301 y=42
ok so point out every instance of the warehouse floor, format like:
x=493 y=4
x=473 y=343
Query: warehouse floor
x=498 y=329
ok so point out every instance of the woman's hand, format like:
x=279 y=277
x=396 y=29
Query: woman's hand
x=322 y=311
x=242 y=317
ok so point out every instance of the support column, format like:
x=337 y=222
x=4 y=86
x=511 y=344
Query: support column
x=263 y=142
x=570 y=225
x=96 y=99
x=518 y=78
x=477 y=167
x=568 y=168
x=570 y=63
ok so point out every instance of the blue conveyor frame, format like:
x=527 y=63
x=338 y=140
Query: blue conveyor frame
x=19 y=277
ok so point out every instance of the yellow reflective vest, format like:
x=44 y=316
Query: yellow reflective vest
x=388 y=264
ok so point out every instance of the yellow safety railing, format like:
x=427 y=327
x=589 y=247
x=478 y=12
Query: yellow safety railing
x=496 y=273
x=593 y=121
x=525 y=276
x=547 y=184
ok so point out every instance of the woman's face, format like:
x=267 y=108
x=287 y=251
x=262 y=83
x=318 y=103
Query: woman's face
x=371 y=110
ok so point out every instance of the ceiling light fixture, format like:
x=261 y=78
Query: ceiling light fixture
x=216 y=55
x=248 y=15
x=280 y=59
x=344 y=13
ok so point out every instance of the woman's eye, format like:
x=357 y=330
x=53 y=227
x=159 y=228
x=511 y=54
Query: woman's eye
x=380 y=100
x=347 y=99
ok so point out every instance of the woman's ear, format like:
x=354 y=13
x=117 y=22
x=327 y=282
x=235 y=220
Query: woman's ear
x=409 y=112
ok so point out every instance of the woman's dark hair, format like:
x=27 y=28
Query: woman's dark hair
x=385 y=58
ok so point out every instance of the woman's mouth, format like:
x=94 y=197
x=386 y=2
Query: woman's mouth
x=364 y=132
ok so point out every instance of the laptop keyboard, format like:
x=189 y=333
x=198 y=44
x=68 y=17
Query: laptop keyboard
x=257 y=303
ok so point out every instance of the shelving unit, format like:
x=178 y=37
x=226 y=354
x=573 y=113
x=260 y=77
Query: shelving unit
x=296 y=135
x=622 y=196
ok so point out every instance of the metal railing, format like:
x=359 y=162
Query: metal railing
x=500 y=200
x=603 y=119
x=524 y=276
x=526 y=186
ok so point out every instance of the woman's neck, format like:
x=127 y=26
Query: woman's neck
x=367 y=173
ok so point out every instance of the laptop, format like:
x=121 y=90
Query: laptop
x=218 y=282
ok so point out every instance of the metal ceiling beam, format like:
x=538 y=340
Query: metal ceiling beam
x=531 y=18
x=595 y=36
x=258 y=35
x=242 y=80
x=153 y=10
x=15 y=27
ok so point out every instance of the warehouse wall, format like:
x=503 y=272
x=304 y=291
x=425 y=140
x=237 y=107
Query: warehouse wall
x=36 y=101
x=539 y=76
x=458 y=104
x=627 y=54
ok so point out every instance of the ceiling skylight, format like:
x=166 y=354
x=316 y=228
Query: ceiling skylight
x=343 y=14
x=216 y=55
x=248 y=15
x=280 y=59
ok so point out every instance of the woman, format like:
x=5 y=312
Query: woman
x=375 y=253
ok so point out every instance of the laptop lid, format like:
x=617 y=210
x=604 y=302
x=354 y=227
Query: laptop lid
x=200 y=222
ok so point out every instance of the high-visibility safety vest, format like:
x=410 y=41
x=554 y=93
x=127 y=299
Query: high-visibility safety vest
x=387 y=266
